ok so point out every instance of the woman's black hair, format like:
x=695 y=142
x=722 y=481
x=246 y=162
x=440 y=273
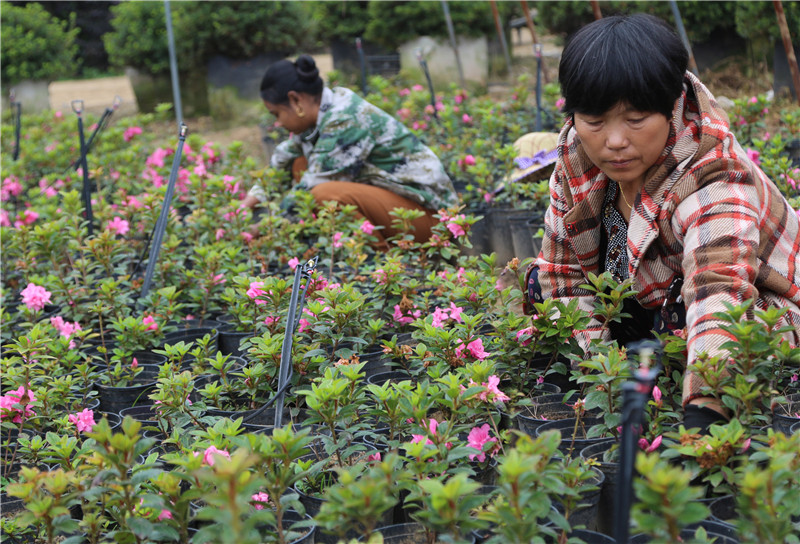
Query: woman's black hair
x=283 y=76
x=635 y=59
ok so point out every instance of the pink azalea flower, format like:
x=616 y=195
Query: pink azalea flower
x=525 y=336
x=466 y=118
x=256 y=290
x=745 y=445
x=165 y=514
x=35 y=297
x=336 y=239
x=477 y=438
x=219 y=234
x=439 y=316
x=12 y=187
x=150 y=321
x=65 y=328
x=455 y=311
x=135 y=363
x=83 y=420
x=657 y=396
x=247 y=237
x=476 y=349
x=432 y=425
x=118 y=226
x=23 y=396
x=211 y=451
x=456 y=229
x=647 y=446
x=488 y=197
x=47 y=189
x=753 y=155
x=131 y=133
x=27 y=217
x=417 y=87
x=492 y=389
x=4 y=220
x=560 y=103
x=261 y=500
x=793 y=379
x=374 y=457
x=753 y=100
x=293 y=262
x=367 y=227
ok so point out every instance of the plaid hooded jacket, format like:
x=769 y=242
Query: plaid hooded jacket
x=705 y=212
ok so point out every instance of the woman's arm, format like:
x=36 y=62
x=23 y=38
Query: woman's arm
x=560 y=273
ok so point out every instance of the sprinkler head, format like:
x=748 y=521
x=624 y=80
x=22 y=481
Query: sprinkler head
x=77 y=106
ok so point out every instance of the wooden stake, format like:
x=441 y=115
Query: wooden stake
x=596 y=10
x=529 y=22
x=500 y=32
x=787 y=45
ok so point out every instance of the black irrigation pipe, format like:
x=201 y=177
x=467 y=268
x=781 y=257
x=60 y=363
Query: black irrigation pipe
x=296 y=301
x=101 y=124
x=16 y=112
x=362 y=61
x=163 y=218
x=424 y=64
x=635 y=395
x=537 y=48
x=77 y=107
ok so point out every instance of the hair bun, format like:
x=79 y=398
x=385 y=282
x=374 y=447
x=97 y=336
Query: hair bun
x=306 y=69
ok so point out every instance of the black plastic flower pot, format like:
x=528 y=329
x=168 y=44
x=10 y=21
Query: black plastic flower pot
x=190 y=336
x=589 y=537
x=392 y=375
x=114 y=399
x=229 y=341
x=786 y=414
x=530 y=418
x=722 y=532
x=587 y=513
x=605 y=508
x=407 y=533
x=723 y=509
x=236 y=364
x=573 y=442
x=143 y=413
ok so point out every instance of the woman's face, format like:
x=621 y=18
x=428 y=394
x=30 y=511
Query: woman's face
x=623 y=142
x=297 y=116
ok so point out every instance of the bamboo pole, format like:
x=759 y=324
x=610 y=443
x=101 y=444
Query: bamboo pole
x=502 y=34
x=529 y=22
x=787 y=45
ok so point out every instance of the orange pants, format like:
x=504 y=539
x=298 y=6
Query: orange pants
x=373 y=203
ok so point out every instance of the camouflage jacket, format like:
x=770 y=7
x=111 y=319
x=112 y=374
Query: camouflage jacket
x=358 y=142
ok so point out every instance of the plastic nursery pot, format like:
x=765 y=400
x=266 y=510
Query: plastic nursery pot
x=605 y=508
x=786 y=414
x=392 y=375
x=114 y=399
x=143 y=413
x=530 y=418
x=102 y=361
x=573 y=442
x=795 y=428
x=586 y=515
x=722 y=532
x=235 y=364
x=190 y=336
x=407 y=533
x=723 y=509
x=229 y=341
x=589 y=537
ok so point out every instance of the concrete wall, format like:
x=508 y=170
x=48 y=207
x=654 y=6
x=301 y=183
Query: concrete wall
x=473 y=52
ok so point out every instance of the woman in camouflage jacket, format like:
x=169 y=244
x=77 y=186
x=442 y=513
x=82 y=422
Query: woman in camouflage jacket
x=354 y=152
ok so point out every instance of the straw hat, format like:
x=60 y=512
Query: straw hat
x=535 y=151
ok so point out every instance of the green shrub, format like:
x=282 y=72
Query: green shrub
x=235 y=29
x=139 y=38
x=36 y=45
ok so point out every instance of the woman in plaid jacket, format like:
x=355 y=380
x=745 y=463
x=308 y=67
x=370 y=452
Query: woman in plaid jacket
x=651 y=184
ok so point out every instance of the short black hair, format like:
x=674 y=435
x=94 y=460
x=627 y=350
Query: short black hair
x=635 y=59
x=283 y=76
